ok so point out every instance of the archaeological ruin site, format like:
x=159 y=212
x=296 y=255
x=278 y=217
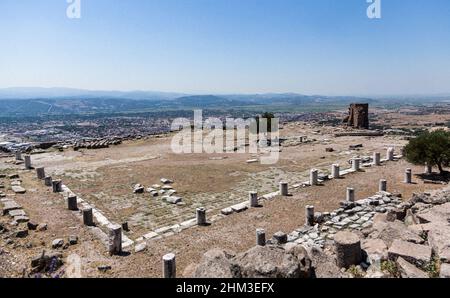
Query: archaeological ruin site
x=224 y=147
x=341 y=202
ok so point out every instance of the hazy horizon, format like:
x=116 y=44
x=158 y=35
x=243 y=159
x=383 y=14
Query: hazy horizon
x=62 y=89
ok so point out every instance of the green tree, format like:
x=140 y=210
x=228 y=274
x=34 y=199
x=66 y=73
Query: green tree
x=432 y=148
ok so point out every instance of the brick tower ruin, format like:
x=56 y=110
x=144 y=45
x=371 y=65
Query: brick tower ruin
x=358 y=116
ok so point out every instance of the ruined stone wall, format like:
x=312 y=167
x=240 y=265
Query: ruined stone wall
x=358 y=116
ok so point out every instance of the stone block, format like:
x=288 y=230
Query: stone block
x=419 y=255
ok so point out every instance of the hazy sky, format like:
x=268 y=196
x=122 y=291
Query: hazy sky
x=228 y=46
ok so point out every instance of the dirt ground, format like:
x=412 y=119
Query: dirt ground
x=105 y=178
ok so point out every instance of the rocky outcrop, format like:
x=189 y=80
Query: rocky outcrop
x=408 y=270
x=269 y=261
x=389 y=238
x=417 y=254
x=216 y=263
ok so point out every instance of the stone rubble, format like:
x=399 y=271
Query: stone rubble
x=377 y=237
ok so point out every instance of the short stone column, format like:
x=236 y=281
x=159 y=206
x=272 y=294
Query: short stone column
x=309 y=216
x=19 y=156
x=350 y=194
x=253 y=199
x=390 y=154
x=125 y=226
x=169 y=266
x=348 y=249
x=280 y=237
x=284 y=189
x=27 y=162
x=48 y=181
x=201 y=216
x=408 y=176
x=88 y=217
x=383 y=185
x=335 y=171
x=57 y=185
x=356 y=164
x=72 y=203
x=260 y=237
x=377 y=158
x=115 y=239
x=314 y=177
x=428 y=169
x=40 y=173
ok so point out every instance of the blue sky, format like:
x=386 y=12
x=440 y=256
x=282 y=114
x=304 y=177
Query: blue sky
x=228 y=46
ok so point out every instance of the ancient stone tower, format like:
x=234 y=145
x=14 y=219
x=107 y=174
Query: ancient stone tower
x=358 y=116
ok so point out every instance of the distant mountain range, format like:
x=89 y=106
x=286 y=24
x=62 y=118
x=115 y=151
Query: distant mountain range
x=50 y=93
x=50 y=101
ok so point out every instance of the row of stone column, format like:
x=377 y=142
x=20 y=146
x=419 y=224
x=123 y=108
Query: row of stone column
x=169 y=260
x=48 y=181
x=115 y=231
x=335 y=170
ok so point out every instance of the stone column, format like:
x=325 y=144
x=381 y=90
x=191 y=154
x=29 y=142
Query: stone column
x=428 y=169
x=27 y=162
x=383 y=185
x=408 y=176
x=88 y=218
x=377 y=158
x=348 y=249
x=309 y=215
x=284 y=189
x=48 y=181
x=314 y=177
x=40 y=172
x=201 y=216
x=115 y=239
x=356 y=164
x=260 y=237
x=125 y=227
x=169 y=266
x=390 y=154
x=350 y=194
x=19 y=156
x=253 y=199
x=335 y=171
x=57 y=185
x=72 y=203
